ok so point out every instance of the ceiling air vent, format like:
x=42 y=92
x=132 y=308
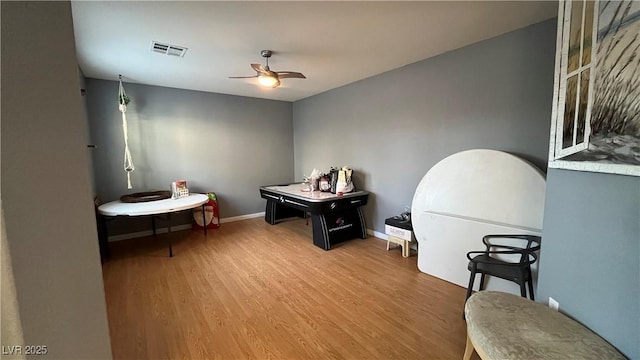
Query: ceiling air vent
x=172 y=50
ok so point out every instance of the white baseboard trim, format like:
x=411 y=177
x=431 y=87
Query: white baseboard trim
x=165 y=230
x=138 y=234
x=378 y=234
x=241 y=217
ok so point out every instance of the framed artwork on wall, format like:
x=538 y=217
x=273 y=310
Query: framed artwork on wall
x=596 y=100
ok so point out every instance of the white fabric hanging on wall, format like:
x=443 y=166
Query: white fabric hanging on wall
x=128 y=161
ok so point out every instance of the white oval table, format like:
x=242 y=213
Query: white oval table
x=466 y=196
x=153 y=208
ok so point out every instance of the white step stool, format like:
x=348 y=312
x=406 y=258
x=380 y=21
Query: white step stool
x=399 y=232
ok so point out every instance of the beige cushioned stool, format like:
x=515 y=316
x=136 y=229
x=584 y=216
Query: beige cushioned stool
x=506 y=326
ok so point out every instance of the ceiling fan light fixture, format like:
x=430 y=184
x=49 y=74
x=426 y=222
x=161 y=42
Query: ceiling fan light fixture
x=267 y=77
x=268 y=81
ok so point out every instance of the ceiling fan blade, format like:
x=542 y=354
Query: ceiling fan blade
x=243 y=77
x=290 y=74
x=259 y=68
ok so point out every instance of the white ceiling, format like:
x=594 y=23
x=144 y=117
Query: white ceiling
x=332 y=43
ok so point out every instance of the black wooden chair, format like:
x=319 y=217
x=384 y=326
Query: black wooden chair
x=508 y=257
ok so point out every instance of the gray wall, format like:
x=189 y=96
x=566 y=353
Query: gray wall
x=590 y=256
x=393 y=127
x=227 y=144
x=83 y=87
x=46 y=197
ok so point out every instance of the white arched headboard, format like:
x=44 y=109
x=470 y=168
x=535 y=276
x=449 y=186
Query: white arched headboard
x=466 y=196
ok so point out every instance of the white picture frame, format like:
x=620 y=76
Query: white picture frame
x=597 y=129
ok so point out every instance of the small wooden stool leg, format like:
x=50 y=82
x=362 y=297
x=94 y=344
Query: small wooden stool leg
x=388 y=242
x=405 y=249
x=468 y=350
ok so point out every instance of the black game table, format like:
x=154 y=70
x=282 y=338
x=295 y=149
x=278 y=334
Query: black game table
x=334 y=218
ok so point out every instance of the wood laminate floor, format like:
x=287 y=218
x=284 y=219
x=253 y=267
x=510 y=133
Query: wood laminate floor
x=250 y=290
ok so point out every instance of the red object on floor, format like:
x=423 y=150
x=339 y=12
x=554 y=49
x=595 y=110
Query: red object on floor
x=211 y=214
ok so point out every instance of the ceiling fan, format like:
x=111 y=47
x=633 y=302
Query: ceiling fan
x=267 y=77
